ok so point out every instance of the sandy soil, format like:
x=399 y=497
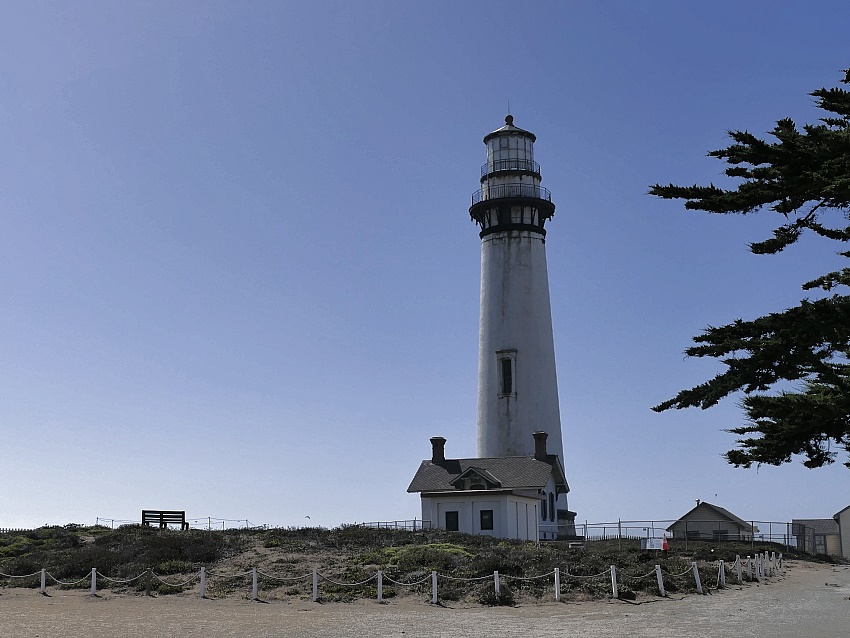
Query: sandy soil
x=809 y=600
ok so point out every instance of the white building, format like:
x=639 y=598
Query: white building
x=505 y=497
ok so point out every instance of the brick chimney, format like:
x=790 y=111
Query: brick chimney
x=438 y=449
x=540 y=445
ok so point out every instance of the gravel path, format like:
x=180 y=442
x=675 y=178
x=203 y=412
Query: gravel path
x=809 y=600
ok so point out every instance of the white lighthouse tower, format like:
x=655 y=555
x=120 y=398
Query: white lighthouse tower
x=517 y=383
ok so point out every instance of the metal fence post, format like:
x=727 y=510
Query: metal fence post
x=434 y=587
x=696 y=577
x=660 y=580
x=557 y=584
x=614 y=590
x=380 y=586
x=203 y=582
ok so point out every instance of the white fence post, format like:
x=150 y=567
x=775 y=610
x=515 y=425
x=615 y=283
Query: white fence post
x=380 y=586
x=696 y=577
x=773 y=563
x=721 y=575
x=614 y=582
x=203 y=582
x=434 y=587
x=254 y=584
x=43 y=581
x=738 y=569
x=557 y=584
x=94 y=581
x=315 y=585
x=749 y=569
x=660 y=580
x=781 y=564
x=496 y=582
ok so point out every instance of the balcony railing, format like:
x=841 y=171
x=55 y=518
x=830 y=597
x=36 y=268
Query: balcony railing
x=513 y=164
x=500 y=191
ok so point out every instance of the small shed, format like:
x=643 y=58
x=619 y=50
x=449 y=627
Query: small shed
x=843 y=520
x=817 y=535
x=711 y=522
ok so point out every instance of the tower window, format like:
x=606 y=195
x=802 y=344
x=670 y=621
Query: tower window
x=506 y=372
x=506 y=360
x=507 y=377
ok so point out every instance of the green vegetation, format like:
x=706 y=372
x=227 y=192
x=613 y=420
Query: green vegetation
x=352 y=554
x=803 y=176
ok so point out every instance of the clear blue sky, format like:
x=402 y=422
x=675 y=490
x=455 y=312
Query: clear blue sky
x=239 y=277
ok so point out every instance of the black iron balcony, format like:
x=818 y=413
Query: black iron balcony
x=524 y=165
x=516 y=190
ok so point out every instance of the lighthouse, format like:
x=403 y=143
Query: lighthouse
x=517 y=382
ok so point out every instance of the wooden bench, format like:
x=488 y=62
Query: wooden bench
x=164 y=518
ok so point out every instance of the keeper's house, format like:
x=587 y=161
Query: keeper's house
x=506 y=497
x=712 y=522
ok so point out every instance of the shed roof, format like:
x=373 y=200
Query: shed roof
x=722 y=513
x=817 y=525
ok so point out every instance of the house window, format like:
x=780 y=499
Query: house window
x=486 y=519
x=452 y=522
x=720 y=534
x=551 y=506
x=543 y=509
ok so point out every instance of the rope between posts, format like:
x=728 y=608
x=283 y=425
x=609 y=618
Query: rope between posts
x=362 y=582
x=211 y=575
x=118 y=580
x=27 y=576
x=605 y=573
x=165 y=582
x=466 y=580
x=283 y=578
x=506 y=576
x=76 y=582
x=652 y=573
x=688 y=570
x=396 y=582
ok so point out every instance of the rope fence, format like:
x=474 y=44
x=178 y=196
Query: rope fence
x=758 y=568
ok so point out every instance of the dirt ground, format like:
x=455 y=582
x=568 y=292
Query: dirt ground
x=808 y=600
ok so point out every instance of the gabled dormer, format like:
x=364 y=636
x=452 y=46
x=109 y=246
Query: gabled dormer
x=476 y=478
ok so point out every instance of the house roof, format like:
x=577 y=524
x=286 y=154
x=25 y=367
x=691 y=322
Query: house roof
x=513 y=472
x=721 y=512
x=817 y=525
x=840 y=512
